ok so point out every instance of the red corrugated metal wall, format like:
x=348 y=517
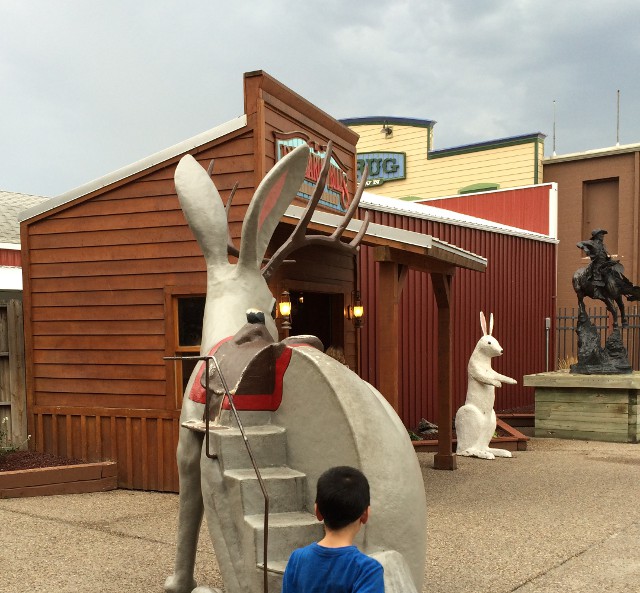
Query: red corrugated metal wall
x=518 y=288
x=505 y=207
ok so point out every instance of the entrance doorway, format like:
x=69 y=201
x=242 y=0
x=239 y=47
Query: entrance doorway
x=319 y=314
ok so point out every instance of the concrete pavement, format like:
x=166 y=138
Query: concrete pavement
x=561 y=517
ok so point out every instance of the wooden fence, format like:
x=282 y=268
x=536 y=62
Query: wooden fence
x=13 y=395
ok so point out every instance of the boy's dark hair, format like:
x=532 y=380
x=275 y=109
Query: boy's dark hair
x=342 y=496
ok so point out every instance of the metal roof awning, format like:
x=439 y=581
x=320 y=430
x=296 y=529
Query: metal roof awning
x=408 y=247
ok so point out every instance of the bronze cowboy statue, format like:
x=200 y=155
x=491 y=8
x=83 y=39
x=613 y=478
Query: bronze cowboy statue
x=603 y=279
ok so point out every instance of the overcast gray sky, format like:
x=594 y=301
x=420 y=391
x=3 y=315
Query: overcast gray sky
x=89 y=86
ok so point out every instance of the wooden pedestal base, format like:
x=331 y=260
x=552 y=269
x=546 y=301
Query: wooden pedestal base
x=586 y=407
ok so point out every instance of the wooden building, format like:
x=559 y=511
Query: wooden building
x=404 y=163
x=11 y=204
x=114 y=281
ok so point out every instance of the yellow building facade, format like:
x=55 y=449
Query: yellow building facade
x=403 y=164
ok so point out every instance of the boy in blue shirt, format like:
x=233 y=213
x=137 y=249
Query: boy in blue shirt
x=334 y=564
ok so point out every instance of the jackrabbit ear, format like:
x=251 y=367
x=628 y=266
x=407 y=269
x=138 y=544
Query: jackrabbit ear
x=490 y=324
x=203 y=209
x=273 y=196
x=483 y=324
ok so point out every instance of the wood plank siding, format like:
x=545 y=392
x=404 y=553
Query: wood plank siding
x=517 y=288
x=98 y=275
x=434 y=173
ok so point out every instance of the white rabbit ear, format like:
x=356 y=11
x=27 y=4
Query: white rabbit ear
x=203 y=209
x=491 y=324
x=273 y=196
x=483 y=324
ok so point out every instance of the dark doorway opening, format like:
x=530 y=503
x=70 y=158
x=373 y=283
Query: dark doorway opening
x=319 y=314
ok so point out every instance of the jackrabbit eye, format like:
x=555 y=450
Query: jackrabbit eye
x=489 y=342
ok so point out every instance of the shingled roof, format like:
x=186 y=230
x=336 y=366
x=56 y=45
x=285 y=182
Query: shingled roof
x=11 y=204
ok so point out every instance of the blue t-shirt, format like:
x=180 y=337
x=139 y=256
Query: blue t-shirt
x=316 y=569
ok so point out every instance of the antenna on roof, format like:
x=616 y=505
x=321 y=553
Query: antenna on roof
x=554 y=128
x=618 y=121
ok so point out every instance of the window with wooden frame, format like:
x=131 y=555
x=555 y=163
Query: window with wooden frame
x=188 y=312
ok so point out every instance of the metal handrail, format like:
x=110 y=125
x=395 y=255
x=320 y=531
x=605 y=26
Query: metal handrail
x=227 y=393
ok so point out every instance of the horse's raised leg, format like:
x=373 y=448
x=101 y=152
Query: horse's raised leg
x=582 y=311
x=614 y=313
x=623 y=314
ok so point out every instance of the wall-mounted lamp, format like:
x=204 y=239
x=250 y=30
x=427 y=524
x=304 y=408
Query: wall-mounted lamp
x=387 y=130
x=355 y=311
x=284 y=308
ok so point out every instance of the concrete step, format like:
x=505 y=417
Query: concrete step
x=268 y=443
x=287 y=531
x=275 y=572
x=228 y=420
x=248 y=418
x=286 y=487
x=275 y=566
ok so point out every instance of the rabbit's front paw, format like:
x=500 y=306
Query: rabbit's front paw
x=500 y=453
x=485 y=455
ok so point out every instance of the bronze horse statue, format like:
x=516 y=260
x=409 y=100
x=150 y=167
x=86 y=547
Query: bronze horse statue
x=603 y=279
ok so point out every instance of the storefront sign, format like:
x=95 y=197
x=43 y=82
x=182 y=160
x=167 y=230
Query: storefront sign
x=336 y=192
x=383 y=167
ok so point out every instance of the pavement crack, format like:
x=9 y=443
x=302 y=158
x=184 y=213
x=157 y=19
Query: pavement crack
x=100 y=527
x=572 y=557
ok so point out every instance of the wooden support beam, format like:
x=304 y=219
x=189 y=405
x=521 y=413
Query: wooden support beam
x=388 y=332
x=444 y=458
x=416 y=261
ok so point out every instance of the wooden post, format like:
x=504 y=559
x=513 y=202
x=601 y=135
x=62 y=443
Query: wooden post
x=17 y=374
x=444 y=458
x=387 y=333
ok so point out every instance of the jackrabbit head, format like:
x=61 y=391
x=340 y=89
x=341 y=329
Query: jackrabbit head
x=487 y=344
x=232 y=289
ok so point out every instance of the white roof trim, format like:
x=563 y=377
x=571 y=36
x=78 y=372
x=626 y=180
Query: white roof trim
x=137 y=167
x=553 y=210
x=387 y=232
x=11 y=246
x=422 y=210
x=586 y=154
x=10 y=278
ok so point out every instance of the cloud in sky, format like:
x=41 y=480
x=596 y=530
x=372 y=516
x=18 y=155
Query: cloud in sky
x=88 y=87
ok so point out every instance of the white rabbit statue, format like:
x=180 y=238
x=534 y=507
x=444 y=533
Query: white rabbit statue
x=476 y=420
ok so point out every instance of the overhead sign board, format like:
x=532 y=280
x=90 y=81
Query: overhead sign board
x=336 y=192
x=383 y=167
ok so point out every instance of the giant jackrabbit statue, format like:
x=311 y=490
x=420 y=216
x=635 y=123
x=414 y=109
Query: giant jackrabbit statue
x=476 y=420
x=325 y=415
